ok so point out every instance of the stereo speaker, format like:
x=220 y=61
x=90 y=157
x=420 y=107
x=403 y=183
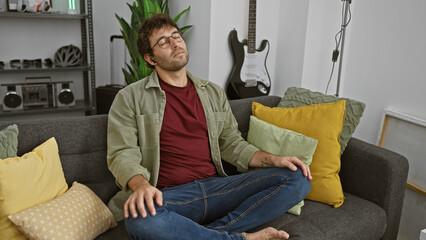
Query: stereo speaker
x=65 y=94
x=12 y=97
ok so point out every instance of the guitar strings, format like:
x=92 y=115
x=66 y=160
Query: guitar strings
x=338 y=41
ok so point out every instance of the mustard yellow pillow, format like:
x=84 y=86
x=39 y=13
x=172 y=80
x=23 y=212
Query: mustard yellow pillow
x=323 y=122
x=26 y=181
x=76 y=214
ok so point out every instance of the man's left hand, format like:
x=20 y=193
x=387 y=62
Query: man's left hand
x=264 y=159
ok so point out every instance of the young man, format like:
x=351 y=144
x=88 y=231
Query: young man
x=167 y=134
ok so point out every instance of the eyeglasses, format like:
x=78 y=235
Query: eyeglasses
x=164 y=42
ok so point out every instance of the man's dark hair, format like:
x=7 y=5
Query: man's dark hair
x=156 y=22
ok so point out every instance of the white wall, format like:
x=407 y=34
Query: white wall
x=291 y=42
x=105 y=24
x=384 y=59
x=324 y=20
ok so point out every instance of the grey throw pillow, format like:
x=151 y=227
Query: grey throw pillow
x=296 y=97
x=9 y=141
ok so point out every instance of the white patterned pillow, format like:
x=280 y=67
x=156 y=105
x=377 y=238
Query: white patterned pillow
x=76 y=214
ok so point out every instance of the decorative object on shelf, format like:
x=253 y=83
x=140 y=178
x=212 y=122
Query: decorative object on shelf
x=15 y=63
x=68 y=56
x=37 y=92
x=72 y=7
x=33 y=6
x=35 y=63
x=11 y=5
x=141 y=9
x=48 y=62
x=249 y=76
x=65 y=94
x=24 y=7
x=12 y=99
x=3 y=5
x=27 y=64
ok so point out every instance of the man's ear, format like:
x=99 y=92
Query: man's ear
x=149 y=59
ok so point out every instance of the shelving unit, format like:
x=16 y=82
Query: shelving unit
x=87 y=68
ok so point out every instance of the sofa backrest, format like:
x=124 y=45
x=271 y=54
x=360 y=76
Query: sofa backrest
x=82 y=143
x=241 y=109
x=82 y=148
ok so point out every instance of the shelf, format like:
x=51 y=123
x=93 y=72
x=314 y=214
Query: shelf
x=87 y=102
x=42 y=15
x=79 y=106
x=54 y=69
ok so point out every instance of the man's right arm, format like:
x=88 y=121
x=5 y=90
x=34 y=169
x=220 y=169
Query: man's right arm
x=124 y=157
x=124 y=154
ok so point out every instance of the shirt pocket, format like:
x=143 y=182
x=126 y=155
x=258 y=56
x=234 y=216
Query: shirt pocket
x=219 y=118
x=148 y=125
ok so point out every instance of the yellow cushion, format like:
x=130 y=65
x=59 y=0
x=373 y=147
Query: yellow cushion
x=26 y=181
x=76 y=214
x=323 y=122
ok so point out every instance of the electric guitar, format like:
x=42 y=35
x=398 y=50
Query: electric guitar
x=249 y=76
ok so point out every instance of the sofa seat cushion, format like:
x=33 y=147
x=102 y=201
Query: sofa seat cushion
x=119 y=232
x=355 y=219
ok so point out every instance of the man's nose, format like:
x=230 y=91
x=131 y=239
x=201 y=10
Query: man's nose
x=173 y=42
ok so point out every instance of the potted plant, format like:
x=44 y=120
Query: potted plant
x=141 y=9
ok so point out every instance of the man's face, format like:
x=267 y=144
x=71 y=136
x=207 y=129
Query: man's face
x=170 y=57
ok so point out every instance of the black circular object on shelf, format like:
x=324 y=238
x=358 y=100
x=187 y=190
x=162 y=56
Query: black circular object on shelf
x=12 y=100
x=66 y=96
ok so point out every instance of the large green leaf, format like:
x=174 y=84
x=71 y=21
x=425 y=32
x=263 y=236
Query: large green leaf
x=150 y=7
x=183 y=29
x=165 y=6
x=176 y=19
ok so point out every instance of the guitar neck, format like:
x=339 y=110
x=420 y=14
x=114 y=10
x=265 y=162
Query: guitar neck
x=252 y=27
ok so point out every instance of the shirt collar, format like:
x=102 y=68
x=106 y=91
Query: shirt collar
x=153 y=80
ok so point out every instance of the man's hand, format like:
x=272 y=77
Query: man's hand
x=264 y=159
x=143 y=192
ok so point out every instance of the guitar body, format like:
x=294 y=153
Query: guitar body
x=249 y=76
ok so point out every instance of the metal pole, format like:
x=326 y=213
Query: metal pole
x=345 y=18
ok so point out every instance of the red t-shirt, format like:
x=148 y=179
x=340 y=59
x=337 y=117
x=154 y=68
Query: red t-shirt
x=184 y=143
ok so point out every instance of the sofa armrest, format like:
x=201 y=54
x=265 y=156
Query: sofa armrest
x=378 y=175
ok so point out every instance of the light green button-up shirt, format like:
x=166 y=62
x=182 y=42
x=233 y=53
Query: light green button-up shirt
x=134 y=125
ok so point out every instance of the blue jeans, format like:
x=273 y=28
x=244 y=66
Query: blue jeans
x=222 y=207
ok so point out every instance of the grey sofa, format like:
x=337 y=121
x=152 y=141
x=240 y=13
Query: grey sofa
x=373 y=178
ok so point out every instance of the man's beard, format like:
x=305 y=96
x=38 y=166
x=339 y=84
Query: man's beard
x=170 y=64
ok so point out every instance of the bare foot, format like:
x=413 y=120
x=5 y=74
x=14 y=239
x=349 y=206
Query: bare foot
x=267 y=234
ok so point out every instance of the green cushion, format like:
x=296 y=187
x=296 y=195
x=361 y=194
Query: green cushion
x=281 y=142
x=296 y=97
x=9 y=141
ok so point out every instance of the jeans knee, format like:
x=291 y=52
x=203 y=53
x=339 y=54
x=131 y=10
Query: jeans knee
x=302 y=183
x=148 y=227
